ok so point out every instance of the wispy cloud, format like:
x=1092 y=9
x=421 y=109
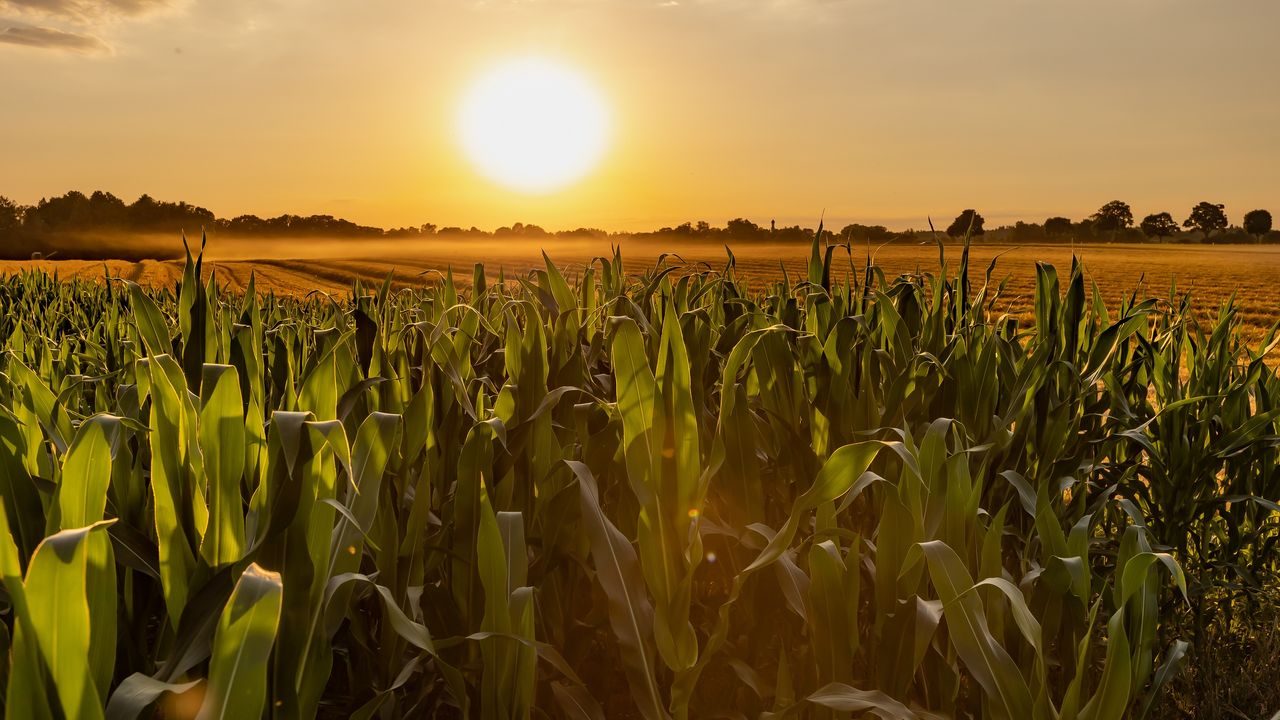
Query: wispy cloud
x=70 y=25
x=83 y=10
x=52 y=38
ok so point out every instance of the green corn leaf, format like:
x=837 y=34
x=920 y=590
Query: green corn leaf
x=630 y=612
x=1111 y=700
x=138 y=692
x=246 y=632
x=983 y=656
x=222 y=441
x=842 y=697
x=57 y=599
x=86 y=472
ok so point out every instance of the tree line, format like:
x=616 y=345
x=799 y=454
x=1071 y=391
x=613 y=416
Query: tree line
x=25 y=229
x=103 y=211
x=1114 y=222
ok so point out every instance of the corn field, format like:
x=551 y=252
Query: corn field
x=594 y=495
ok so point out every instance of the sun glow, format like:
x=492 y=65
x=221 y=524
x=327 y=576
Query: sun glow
x=533 y=125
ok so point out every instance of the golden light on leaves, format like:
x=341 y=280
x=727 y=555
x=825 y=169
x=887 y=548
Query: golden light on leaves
x=183 y=706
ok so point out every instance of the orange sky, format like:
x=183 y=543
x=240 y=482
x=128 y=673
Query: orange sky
x=881 y=111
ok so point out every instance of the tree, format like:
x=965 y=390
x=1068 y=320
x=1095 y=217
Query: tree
x=1057 y=227
x=1113 y=216
x=1207 y=218
x=106 y=210
x=65 y=212
x=968 y=222
x=10 y=214
x=743 y=229
x=1159 y=225
x=1027 y=232
x=865 y=233
x=1256 y=222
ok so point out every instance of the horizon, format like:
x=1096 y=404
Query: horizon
x=833 y=225
x=709 y=108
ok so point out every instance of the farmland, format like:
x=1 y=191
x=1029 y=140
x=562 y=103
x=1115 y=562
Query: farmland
x=1212 y=273
x=624 y=489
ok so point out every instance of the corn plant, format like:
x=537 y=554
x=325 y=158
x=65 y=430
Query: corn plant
x=583 y=493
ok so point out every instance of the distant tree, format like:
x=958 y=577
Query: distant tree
x=522 y=230
x=1027 y=232
x=968 y=222
x=791 y=234
x=246 y=225
x=106 y=210
x=10 y=215
x=143 y=212
x=1256 y=222
x=1159 y=225
x=1085 y=230
x=1057 y=227
x=584 y=233
x=1113 y=217
x=65 y=212
x=865 y=233
x=1208 y=218
x=744 y=229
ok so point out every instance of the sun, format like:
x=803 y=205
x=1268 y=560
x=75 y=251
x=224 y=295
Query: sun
x=534 y=125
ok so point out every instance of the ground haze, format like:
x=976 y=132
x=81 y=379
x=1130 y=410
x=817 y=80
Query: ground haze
x=1213 y=273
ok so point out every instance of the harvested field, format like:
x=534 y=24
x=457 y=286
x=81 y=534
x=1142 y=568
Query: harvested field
x=1213 y=273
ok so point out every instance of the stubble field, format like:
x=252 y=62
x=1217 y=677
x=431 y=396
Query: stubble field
x=1211 y=273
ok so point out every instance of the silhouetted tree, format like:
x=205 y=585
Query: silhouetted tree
x=65 y=212
x=143 y=211
x=968 y=222
x=743 y=229
x=1084 y=230
x=10 y=215
x=246 y=225
x=1027 y=232
x=583 y=233
x=1113 y=217
x=865 y=233
x=422 y=230
x=522 y=230
x=1057 y=227
x=1207 y=218
x=106 y=210
x=1159 y=225
x=1257 y=223
x=792 y=234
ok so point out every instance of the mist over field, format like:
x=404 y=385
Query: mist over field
x=296 y=265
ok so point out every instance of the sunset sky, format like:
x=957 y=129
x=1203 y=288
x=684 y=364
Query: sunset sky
x=877 y=111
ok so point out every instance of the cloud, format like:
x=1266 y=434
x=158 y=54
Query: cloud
x=70 y=25
x=51 y=38
x=82 y=10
